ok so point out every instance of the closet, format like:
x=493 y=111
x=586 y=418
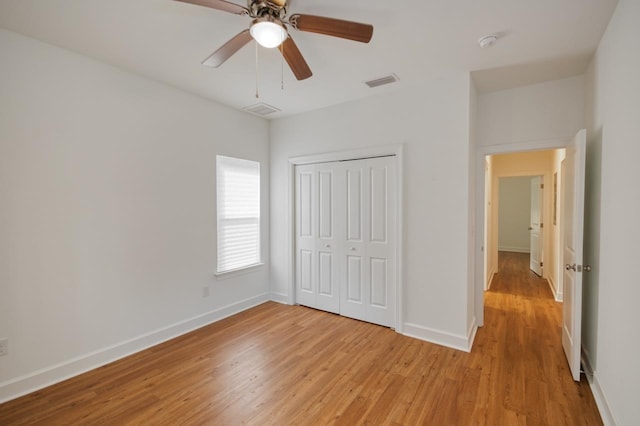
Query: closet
x=345 y=245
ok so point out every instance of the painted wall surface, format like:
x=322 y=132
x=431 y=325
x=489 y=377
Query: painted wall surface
x=611 y=291
x=551 y=110
x=473 y=216
x=108 y=214
x=433 y=124
x=514 y=214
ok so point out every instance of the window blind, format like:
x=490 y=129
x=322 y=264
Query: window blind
x=238 y=195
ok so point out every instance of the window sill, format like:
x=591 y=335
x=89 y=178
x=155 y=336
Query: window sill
x=237 y=272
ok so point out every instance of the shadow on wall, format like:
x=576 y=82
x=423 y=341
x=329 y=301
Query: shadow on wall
x=590 y=287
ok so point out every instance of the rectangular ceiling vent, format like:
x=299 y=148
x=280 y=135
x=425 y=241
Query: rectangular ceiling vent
x=261 y=109
x=388 y=79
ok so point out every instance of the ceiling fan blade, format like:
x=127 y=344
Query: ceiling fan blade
x=295 y=60
x=220 y=5
x=227 y=50
x=332 y=27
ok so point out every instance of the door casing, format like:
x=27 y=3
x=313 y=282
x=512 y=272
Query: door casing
x=535 y=231
x=480 y=201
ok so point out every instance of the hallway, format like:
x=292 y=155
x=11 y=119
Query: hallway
x=523 y=330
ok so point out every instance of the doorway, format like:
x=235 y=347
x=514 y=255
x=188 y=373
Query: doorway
x=520 y=219
x=569 y=164
x=519 y=211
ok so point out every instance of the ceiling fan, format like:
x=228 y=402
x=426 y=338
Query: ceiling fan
x=269 y=29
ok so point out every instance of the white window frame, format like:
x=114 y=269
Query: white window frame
x=246 y=213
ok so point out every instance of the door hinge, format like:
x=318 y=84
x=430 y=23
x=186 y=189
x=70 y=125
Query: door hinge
x=542 y=186
x=541 y=264
x=541 y=225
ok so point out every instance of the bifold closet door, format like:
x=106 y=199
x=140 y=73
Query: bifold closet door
x=316 y=260
x=368 y=265
x=345 y=238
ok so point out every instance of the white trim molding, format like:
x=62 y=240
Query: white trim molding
x=515 y=249
x=481 y=153
x=396 y=150
x=48 y=376
x=443 y=338
x=598 y=394
x=554 y=289
x=280 y=298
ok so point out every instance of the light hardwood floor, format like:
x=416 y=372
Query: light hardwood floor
x=286 y=365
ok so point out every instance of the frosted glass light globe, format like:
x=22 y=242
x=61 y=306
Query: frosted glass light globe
x=268 y=33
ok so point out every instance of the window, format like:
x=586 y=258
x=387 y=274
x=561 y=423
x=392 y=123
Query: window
x=238 y=191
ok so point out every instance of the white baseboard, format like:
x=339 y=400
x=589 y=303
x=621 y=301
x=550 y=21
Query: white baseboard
x=491 y=276
x=280 y=298
x=48 y=376
x=515 y=249
x=554 y=289
x=454 y=341
x=471 y=334
x=596 y=389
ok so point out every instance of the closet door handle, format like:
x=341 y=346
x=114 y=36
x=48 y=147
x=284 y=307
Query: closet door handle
x=328 y=246
x=352 y=249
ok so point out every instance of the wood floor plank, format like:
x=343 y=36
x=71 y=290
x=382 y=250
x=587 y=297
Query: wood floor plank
x=281 y=365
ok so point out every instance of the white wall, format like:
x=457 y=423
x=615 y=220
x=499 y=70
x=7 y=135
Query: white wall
x=473 y=321
x=514 y=214
x=611 y=290
x=550 y=110
x=107 y=218
x=433 y=123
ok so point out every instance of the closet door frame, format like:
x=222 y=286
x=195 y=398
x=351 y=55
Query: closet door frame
x=386 y=150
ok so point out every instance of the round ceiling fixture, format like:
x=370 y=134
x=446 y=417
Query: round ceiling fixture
x=268 y=32
x=487 y=41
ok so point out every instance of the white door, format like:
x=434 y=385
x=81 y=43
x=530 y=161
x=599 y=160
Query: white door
x=573 y=176
x=369 y=266
x=535 y=225
x=316 y=259
x=345 y=238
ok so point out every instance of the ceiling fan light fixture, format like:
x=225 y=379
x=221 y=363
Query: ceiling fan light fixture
x=268 y=32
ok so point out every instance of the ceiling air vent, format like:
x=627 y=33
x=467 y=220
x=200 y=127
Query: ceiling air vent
x=388 y=79
x=261 y=109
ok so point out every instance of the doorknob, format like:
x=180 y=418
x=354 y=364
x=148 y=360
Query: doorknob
x=352 y=249
x=328 y=246
x=578 y=268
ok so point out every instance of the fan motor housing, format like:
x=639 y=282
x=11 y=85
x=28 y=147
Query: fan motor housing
x=260 y=8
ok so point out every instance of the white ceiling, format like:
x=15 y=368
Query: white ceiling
x=166 y=40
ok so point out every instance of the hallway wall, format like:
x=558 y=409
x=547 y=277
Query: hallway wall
x=611 y=292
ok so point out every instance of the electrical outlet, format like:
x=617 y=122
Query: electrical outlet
x=205 y=291
x=4 y=346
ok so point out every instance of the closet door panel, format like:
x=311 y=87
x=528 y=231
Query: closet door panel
x=306 y=282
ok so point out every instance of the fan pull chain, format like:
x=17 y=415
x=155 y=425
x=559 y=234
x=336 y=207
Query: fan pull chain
x=257 y=94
